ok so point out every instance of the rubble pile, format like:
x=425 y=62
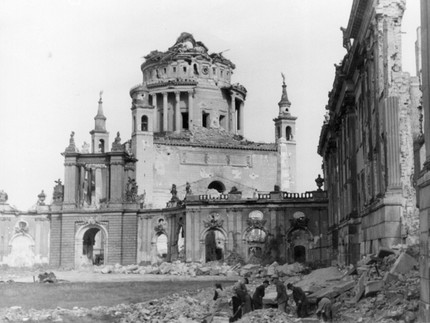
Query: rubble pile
x=270 y=315
x=387 y=290
x=175 y=268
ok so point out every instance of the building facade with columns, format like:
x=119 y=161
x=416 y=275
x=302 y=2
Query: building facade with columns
x=187 y=185
x=367 y=139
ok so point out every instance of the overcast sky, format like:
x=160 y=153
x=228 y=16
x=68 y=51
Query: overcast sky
x=57 y=55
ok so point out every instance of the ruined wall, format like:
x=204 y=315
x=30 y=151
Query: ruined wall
x=260 y=232
x=118 y=234
x=24 y=240
x=367 y=141
x=199 y=166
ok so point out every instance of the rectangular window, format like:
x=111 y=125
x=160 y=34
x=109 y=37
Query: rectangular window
x=185 y=120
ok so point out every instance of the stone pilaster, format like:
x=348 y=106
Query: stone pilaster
x=190 y=109
x=424 y=180
x=392 y=142
x=70 y=182
x=156 y=121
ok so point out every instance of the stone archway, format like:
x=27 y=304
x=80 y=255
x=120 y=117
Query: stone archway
x=91 y=245
x=21 y=251
x=299 y=242
x=213 y=243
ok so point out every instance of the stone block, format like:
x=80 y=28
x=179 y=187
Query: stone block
x=372 y=287
x=404 y=264
x=388 y=277
x=359 y=288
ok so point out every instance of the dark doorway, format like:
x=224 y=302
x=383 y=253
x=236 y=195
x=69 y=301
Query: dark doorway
x=214 y=246
x=299 y=254
x=92 y=246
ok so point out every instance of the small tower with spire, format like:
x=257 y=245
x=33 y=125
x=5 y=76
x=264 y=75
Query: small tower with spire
x=285 y=130
x=99 y=135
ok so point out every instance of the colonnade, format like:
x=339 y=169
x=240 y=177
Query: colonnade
x=162 y=123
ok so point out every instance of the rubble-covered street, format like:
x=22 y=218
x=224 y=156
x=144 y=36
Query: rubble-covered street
x=381 y=288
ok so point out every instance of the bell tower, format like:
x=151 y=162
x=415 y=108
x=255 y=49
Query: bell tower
x=143 y=141
x=99 y=135
x=285 y=131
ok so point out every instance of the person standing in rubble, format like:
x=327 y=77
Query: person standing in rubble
x=281 y=294
x=300 y=299
x=257 y=297
x=241 y=300
x=324 y=310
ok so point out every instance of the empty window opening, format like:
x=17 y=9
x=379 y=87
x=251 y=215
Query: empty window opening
x=288 y=133
x=239 y=126
x=144 y=123
x=217 y=185
x=196 y=72
x=134 y=123
x=174 y=69
x=185 y=69
x=205 y=120
x=101 y=146
x=184 y=120
x=214 y=70
x=165 y=70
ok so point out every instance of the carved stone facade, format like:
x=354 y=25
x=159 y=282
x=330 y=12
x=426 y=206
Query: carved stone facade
x=366 y=140
x=186 y=185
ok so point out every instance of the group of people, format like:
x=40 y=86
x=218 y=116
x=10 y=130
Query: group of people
x=243 y=303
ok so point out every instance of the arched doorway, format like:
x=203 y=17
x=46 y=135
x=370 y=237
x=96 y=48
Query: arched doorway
x=90 y=246
x=299 y=254
x=161 y=247
x=299 y=243
x=214 y=245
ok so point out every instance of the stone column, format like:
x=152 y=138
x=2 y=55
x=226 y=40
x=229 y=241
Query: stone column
x=177 y=112
x=391 y=105
x=241 y=117
x=424 y=180
x=232 y=117
x=165 y=123
x=154 y=103
x=190 y=110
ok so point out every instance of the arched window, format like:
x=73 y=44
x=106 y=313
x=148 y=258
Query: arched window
x=288 y=133
x=101 y=146
x=217 y=185
x=144 y=123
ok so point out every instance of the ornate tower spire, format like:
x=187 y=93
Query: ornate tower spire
x=100 y=119
x=284 y=104
x=99 y=135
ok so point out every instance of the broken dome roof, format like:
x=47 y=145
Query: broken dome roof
x=184 y=46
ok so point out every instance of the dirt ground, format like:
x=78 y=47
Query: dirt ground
x=87 y=289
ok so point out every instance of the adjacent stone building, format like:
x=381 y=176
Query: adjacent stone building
x=367 y=139
x=187 y=185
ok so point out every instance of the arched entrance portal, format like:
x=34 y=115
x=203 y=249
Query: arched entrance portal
x=90 y=246
x=299 y=254
x=214 y=245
